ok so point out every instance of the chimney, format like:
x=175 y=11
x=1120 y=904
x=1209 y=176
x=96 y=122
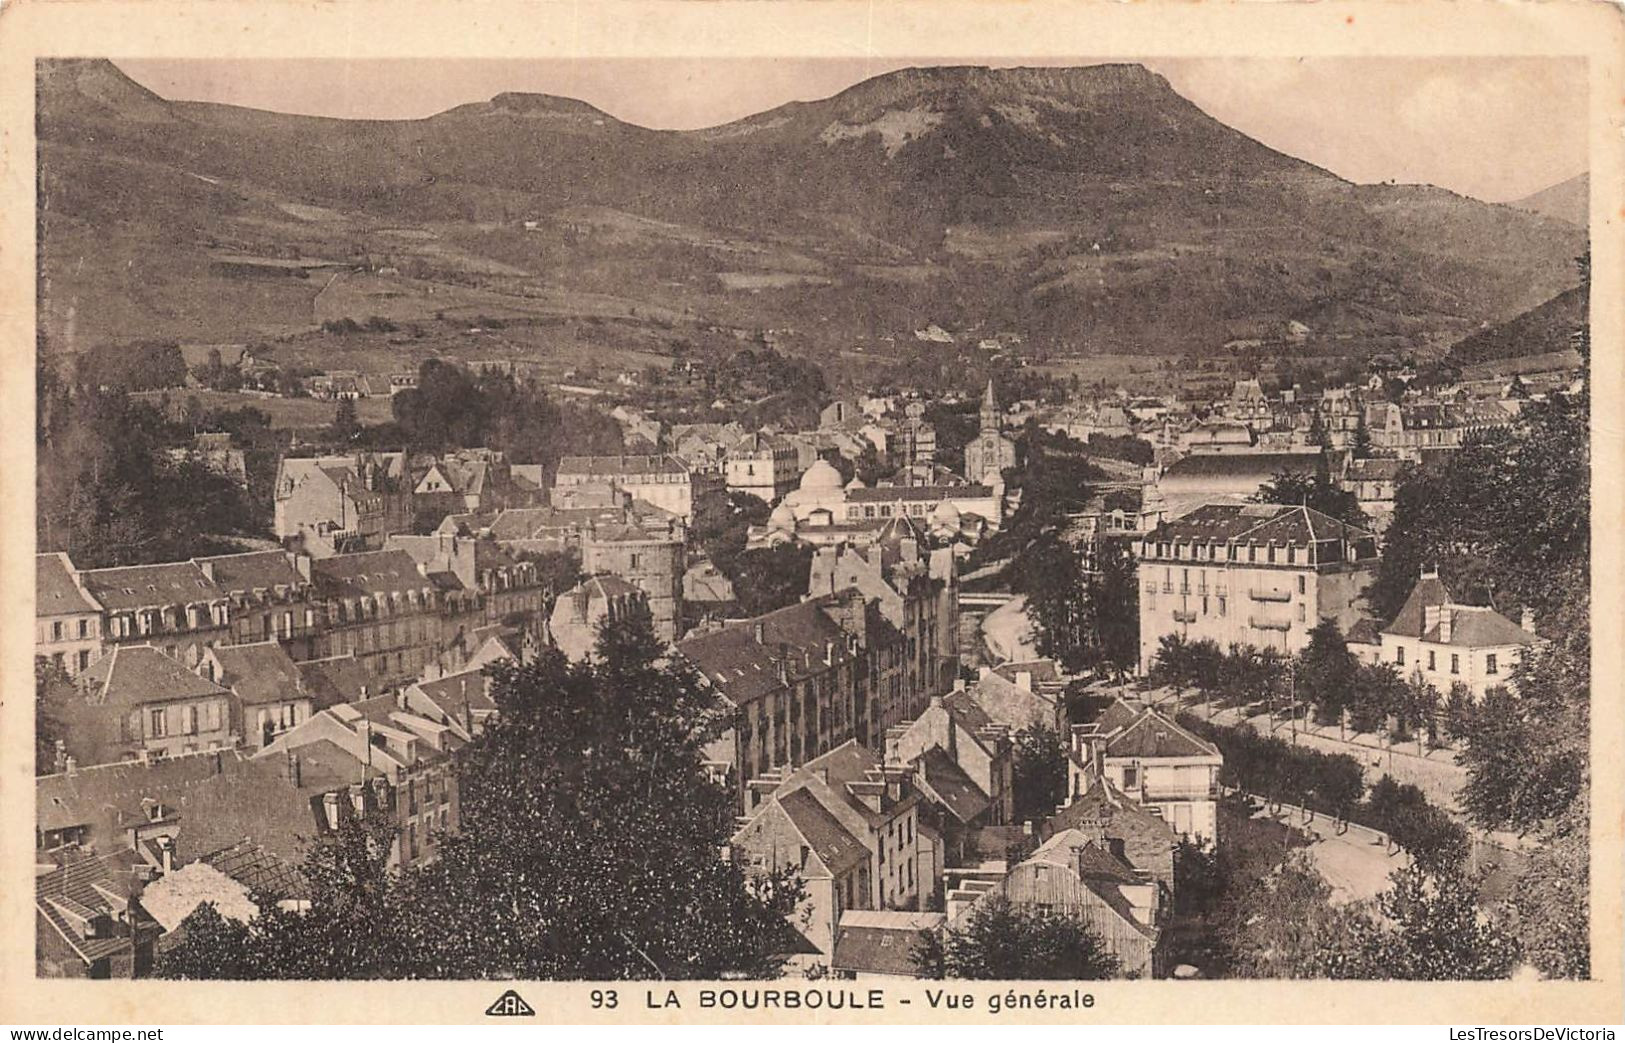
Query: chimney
x=1528 y=620
x=1024 y=680
x=207 y=568
x=959 y=684
x=760 y=630
x=167 y=848
x=1430 y=617
x=1430 y=572
x=298 y=773
x=71 y=765
x=219 y=762
x=1446 y=618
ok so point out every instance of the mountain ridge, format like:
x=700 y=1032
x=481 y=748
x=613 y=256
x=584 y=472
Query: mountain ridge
x=1087 y=206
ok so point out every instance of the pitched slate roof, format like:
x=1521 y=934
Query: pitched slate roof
x=259 y=673
x=255 y=570
x=880 y=941
x=1375 y=469
x=1471 y=625
x=83 y=889
x=368 y=573
x=115 y=793
x=144 y=586
x=966 y=711
x=55 y=592
x=622 y=466
x=744 y=669
x=450 y=693
x=1365 y=631
x=132 y=675
x=1242 y=465
x=339 y=679
x=1477 y=626
x=1258 y=522
x=1007 y=703
x=1118 y=814
x=836 y=848
x=260 y=870
x=1429 y=590
x=1153 y=735
x=953 y=789
x=1099 y=870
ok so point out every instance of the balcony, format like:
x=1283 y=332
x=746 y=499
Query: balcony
x=1184 y=615
x=1283 y=625
x=1185 y=588
x=1167 y=588
x=1209 y=791
x=1270 y=595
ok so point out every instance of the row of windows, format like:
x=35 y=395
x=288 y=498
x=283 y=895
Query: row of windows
x=60 y=630
x=1293 y=553
x=1492 y=663
x=191 y=719
x=80 y=661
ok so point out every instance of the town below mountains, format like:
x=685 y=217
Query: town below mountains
x=1091 y=212
x=987 y=524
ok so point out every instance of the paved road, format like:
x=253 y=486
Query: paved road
x=1435 y=773
x=1356 y=863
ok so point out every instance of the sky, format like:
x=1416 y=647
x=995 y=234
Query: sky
x=1493 y=128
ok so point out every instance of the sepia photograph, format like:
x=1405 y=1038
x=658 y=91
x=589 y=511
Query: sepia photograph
x=843 y=521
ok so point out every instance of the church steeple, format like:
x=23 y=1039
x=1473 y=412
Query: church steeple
x=990 y=409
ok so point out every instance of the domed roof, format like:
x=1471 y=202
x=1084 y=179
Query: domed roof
x=855 y=483
x=945 y=513
x=783 y=517
x=821 y=477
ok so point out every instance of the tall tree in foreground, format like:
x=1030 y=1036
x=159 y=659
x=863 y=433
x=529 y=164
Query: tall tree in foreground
x=1003 y=941
x=589 y=849
x=591 y=835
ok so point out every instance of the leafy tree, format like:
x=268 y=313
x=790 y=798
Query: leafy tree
x=1058 y=604
x=347 y=931
x=1003 y=941
x=767 y=578
x=1552 y=900
x=1113 y=601
x=1038 y=774
x=1122 y=447
x=1317 y=491
x=1284 y=925
x=588 y=848
x=453 y=408
x=721 y=520
x=1362 y=438
x=48 y=729
x=345 y=426
x=558 y=570
x=1326 y=672
x=1506 y=517
x=1458 y=711
x=1439 y=934
x=109 y=494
